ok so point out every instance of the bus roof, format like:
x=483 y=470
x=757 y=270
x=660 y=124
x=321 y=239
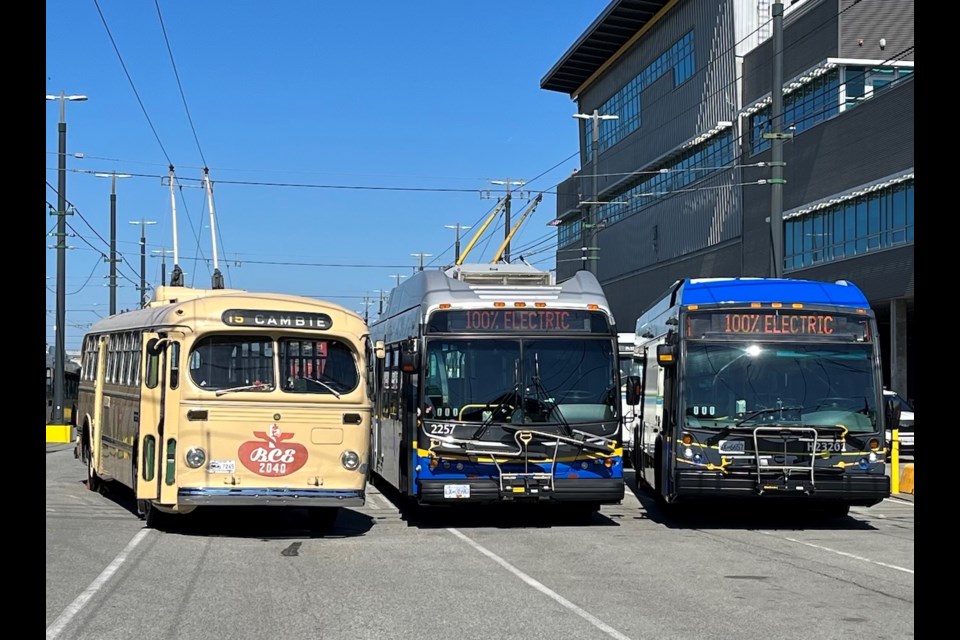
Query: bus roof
x=766 y=290
x=485 y=283
x=162 y=309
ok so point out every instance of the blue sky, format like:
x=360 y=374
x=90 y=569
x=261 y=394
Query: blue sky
x=391 y=118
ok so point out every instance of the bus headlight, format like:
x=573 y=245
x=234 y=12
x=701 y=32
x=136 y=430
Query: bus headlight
x=195 y=457
x=350 y=460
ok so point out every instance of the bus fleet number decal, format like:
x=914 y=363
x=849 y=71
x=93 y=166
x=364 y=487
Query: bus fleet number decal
x=440 y=429
x=271 y=456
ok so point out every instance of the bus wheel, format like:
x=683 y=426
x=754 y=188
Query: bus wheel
x=153 y=517
x=93 y=480
x=322 y=518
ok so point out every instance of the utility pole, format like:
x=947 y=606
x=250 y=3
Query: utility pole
x=421 y=256
x=398 y=276
x=458 y=227
x=143 y=258
x=162 y=253
x=589 y=225
x=777 y=137
x=113 y=235
x=506 y=211
x=60 y=352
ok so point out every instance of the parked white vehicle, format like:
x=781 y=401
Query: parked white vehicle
x=627 y=368
x=906 y=424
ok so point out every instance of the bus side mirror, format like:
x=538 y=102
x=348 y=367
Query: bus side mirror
x=379 y=350
x=634 y=388
x=409 y=357
x=666 y=355
x=892 y=411
x=154 y=346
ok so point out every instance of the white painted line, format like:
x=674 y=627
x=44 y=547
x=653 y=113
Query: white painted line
x=610 y=631
x=54 y=629
x=840 y=553
x=898 y=501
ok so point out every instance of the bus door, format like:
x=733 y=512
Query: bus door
x=96 y=429
x=157 y=438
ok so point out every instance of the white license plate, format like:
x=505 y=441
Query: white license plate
x=456 y=491
x=907 y=440
x=222 y=466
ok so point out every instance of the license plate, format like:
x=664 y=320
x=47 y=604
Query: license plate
x=222 y=466
x=456 y=491
x=826 y=445
x=907 y=440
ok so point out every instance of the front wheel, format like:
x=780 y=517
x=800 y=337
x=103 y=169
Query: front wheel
x=93 y=480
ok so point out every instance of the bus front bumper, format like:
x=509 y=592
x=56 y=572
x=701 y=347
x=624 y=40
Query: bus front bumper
x=271 y=497
x=862 y=489
x=454 y=490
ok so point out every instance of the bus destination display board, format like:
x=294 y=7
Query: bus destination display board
x=777 y=323
x=518 y=321
x=259 y=318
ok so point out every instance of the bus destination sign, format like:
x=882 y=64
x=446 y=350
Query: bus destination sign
x=778 y=323
x=518 y=321
x=260 y=318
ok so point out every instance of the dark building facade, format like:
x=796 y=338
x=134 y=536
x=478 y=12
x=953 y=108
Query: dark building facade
x=674 y=98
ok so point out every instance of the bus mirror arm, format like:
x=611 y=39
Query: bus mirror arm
x=155 y=345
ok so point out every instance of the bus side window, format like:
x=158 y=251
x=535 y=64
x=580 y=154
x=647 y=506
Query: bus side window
x=151 y=374
x=174 y=365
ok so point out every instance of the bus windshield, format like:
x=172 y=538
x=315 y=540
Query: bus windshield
x=736 y=383
x=522 y=380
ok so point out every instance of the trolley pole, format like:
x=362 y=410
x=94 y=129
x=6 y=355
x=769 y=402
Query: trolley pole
x=60 y=353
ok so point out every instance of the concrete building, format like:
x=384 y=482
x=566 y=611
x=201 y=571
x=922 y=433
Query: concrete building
x=676 y=186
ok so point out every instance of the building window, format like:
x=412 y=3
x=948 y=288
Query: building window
x=820 y=99
x=877 y=220
x=679 y=58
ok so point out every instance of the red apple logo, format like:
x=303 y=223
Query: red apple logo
x=271 y=456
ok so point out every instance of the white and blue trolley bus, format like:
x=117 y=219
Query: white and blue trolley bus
x=498 y=385
x=759 y=387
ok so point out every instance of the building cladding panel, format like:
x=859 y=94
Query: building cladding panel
x=673 y=227
x=809 y=38
x=881 y=275
x=629 y=296
x=861 y=145
x=669 y=115
x=871 y=20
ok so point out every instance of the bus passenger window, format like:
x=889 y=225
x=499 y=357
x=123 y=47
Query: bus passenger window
x=174 y=365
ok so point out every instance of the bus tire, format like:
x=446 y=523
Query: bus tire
x=93 y=480
x=322 y=518
x=153 y=517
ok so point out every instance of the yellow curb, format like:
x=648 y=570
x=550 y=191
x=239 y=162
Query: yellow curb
x=906 y=479
x=59 y=433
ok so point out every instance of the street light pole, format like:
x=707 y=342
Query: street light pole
x=60 y=353
x=458 y=227
x=143 y=258
x=113 y=235
x=163 y=263
x=591 y=221
x=398 y=276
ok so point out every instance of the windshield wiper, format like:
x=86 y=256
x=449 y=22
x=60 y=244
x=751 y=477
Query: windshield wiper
x=247 y=387
x=547 y=399
x=323 y=384
x=514 y=393
x=760 y=412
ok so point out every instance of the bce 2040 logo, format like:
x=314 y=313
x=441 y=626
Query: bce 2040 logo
x=271 y=456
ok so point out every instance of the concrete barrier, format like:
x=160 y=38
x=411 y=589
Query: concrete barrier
x=906 y=479
x=59 y=433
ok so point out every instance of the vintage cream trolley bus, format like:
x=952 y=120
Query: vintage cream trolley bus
x=224 y=397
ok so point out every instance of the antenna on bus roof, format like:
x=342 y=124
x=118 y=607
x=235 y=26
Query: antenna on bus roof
x=483 y=228
x=217 y=276
x=176 y=276
x=506 y=242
